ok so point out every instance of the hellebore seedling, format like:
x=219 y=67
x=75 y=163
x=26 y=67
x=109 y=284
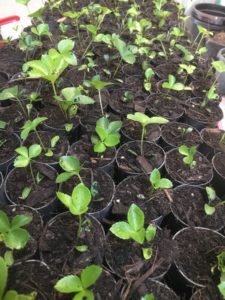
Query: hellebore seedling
x=25 y=157
x=134 y=229
x=221 y=268
x=41 y=30
x=159 y=183
x=28 y=43
x=148 y=297
x=127 y=97
x=185 y=131
x=209 y=208
x=80 y=284
x=171 y=84
x=149 y=73
x=107 y=134
x=11 y=294
x=187 y=55
x=71 y=166
x=144 y=120
x=77 y=203
x=52 y=64
x=203 y=32
x=189 y=153
x=11 y=233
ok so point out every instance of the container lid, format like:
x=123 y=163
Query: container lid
x=209 y=13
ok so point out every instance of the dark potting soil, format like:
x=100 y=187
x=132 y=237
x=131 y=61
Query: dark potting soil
x=179 y=171
x=130 y=160
x=200 y=87
x=158 y=289
x=219 y=163
x=32 y=276
x=188 y=206
x=138 y=190
x=100 y=184
x=125 y=257
x=173 y=135
x=165 y=105
x=9 y=143
x=132 y=131
x=211 y=114
x=197 y=253
x=3 y=78
x=59 y=239
x=208 y=293
x=212 y=137
x=219 y=38
x=164 y=70
x=11 y=58
x=34 y=228
x=132 y=70
x=183 y=95
x=119 y=106
x=59 y=150
x=43 y=194
x=83 y=150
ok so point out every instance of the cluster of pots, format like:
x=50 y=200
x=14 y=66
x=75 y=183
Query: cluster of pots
x=187 y=241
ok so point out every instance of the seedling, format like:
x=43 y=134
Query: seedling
x=149 y=73
x=134 y=229
x=221 y=269
x=148 y=297
x=127 y=97
x=202 y=33
x=51 y=65
x=209 y=208
x=27 y=43
x=77 y=203
x=187 y=55
x=144 y=120
x=188 y=153
x=185 y=131
x=41 y=30
x=159 y=183
x=107 y=134
x=71 y=166
x=171 y=84
x=26 y=156
x=80 y=285
x=11 y=294
x=11 y=233
x=211 y=95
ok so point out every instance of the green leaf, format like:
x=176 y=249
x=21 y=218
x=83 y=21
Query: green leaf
x=148 y=297
x=3 y=277
x=209 y=210
x=90 y=275
x=102 y=133
x=150 y=233
x=69 y=284
x=219 y=66
x=8 y=257
x=23 y=2
x=20 y=220
x=70 y=164
x=81 y=197
x=144 y=120
x=99 y=147
x=9 y=93
x=221 y=288
x=21 y=162
x=147 y=253
x=114 y=126
x=155 y=177
x=85 y=294
x=135 y=217
x=211 y=193
x=138 y=236
x=64 y=177
x=121 y=230
x=184 y=150
x=16 y=238
x=112 y=140
x=4 y=222
x=84 y=100
x=2 y=124
x=81 y=248
x=65 y=45
x=34 y=150
x=25 y=193
x=64 y=198
x=165 y=183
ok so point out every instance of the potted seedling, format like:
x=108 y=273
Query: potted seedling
x=172 y=85
x=213 y=204
x=10 y=294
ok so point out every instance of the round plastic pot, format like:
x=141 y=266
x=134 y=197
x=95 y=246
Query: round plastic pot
x=4 y=78
x=218 y=179
x=205 y=148
x=202 y=233
x=221 y=76
x=3 y=199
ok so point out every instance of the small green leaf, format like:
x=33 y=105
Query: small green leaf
x=64 y=198
x=135 y=217
x=25 y=193
x=34 y=150
x=209 y=210
x=211 y=193
x=4 y=222
x=20 y=220
x=70 y=164
x=147 y=253
x=85 y=294
x=121 y=230
x=90 y=275
x=81 y=197
x=81 y=248
x=69 y=284
x=8 y=257
x=150 y=233
x=64 y=177
x=3 y=277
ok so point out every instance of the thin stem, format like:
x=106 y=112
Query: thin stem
x=79 y=226
x=21 y=106
x=53 y=87
x=78 y=175
x=142 y=139
x=32 y=174
x=40 y=140
x=119 y=64
x=100 y=101
x=164 y=50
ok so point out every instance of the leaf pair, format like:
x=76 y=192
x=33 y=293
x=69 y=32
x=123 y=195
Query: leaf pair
x=189 y=153
x=26 y=155
x=71 y=166
x=30 y=126
x=173 y=85
x=158 y=182
x=145 y=120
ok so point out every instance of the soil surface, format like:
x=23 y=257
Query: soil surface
x=208 y=293
x=219 y=163
x=8 y=143
x=212 y=137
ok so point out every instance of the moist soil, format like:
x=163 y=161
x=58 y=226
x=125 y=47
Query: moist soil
x=34 y=228
x=119 y=106
x=41 y=195
x=210 y=115
x=179 y=171
x=59 y=150
x=125 y=258
x=132 y=70
x=219 y=38
x=132 y=131
x=100 y=184
x=212 y=137
x=219 y=163
x=32 y=276
x=188 y=205
x=158 y=289
x=208 y=293
x=137 y=189
x=59 y=239
x=165 y=105
x=9 y=143
x=83 y=150
x=130 y=160
x=200 y=87
x=166 y=69
x=172 y=135
x=196 y=258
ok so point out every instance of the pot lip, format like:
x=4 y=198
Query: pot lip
x=1 y=180
x=178 y=124
x=178 y=217
x=109 y=203
x=20 y=143
x=14 y=203
x=131 y=139
x=30 y=261
x=186 y=183
x=205 y=17
x=221 y=52
x=213 y=163
x=208 y=129
x=175 y=262
x=62 y=129
x=138 y=141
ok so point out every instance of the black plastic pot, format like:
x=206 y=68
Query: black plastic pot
x=219 y=178
x=3 y=199
x=221 y=79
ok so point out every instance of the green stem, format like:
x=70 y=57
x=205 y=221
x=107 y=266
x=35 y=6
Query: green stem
x=21 y=106
x=53 y=87
x=142 y=139
x=164 y=50
x=40 y=140
x=78 y=175
x=119 y=64
x=79 y=226
x=32 y=174
x=100 y=101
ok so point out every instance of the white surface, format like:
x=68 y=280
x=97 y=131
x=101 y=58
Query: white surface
x=9 y=8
